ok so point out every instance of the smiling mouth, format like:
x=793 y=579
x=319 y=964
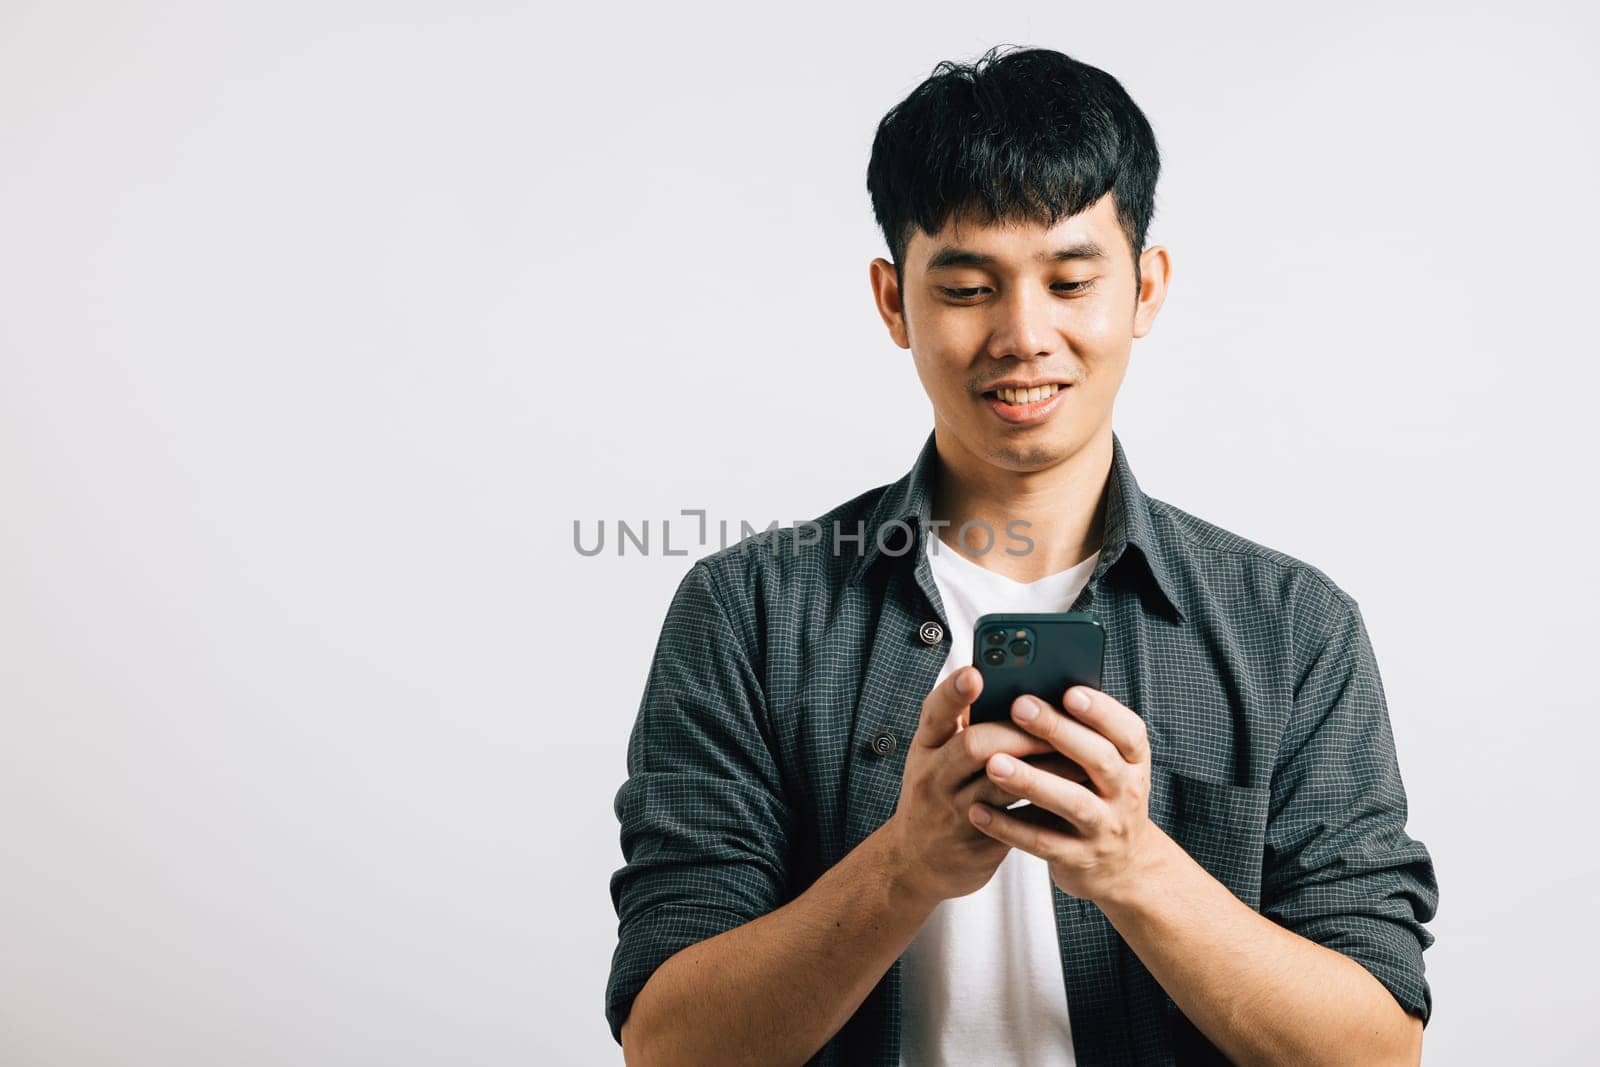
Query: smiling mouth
x=1024 y=396
x=1031 y=406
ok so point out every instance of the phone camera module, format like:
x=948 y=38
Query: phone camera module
x=1020 y=648
x=995 y=657
x=997 y=637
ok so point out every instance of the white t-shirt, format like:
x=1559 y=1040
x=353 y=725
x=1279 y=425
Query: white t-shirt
x=983 y=979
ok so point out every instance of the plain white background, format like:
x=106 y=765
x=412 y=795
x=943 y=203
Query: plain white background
x=324 y=322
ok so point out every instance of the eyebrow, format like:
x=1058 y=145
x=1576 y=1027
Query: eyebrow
x=952 y=256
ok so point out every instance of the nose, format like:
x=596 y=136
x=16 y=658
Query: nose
x=1024 y=327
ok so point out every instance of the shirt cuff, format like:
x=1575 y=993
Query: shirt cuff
x=1388 y=949
x=650 y=940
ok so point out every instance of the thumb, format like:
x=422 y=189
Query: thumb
x=943 y=709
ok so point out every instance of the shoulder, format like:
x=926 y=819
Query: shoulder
x=783 y=581
x=1243 y=578
x=798 y=560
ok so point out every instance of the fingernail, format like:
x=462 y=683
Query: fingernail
x=1002 y=765
x=1078 y=700
x=964 y=683
x=1026 y=710
x=980 y=816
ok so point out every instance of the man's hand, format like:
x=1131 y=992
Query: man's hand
x=1108 y=842
x=944 y=855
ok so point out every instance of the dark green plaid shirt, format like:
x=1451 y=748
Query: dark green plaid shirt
x=789 y=677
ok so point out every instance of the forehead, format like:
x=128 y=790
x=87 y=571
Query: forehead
x=970 y=240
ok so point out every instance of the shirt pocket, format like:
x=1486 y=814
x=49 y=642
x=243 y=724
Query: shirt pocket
x=1221 y=824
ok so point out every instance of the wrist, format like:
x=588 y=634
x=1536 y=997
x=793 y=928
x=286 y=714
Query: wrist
x=1143 y=880
x=902 y=870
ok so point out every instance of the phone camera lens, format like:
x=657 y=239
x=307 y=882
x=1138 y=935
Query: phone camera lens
x=994 y=657
x=1021 y=648
x=997 y=637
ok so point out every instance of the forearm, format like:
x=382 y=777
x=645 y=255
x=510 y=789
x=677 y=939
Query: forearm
x=1261 y=993
x=777 y=988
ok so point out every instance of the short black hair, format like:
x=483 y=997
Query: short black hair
x=1029 y=135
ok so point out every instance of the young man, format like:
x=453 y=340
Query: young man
x=822 y=861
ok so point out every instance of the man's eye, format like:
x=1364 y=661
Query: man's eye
x=969 y=293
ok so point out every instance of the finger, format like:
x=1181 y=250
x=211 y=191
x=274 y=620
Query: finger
x=1034 y=815
x=1025 y=831
x=1073 y=801
x=1110 y=718
x=966 y=753
x=943 y=707
x=1056 y=763
x=982 y=789
x=1084 y=746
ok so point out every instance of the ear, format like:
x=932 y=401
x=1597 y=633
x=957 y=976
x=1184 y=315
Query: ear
x=886 y=292
x=1155 y=271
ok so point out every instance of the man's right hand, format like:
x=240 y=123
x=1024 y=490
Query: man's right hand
x=945 y=854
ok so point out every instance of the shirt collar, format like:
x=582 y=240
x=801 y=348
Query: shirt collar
x=1127 y=522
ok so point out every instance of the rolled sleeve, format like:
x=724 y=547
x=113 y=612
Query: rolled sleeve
x=1339 y=868
x=705 y=825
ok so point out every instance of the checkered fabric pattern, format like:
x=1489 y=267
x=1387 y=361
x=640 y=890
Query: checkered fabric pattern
x=752 y=769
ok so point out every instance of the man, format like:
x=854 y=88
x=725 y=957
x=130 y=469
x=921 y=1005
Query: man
x=823 y=860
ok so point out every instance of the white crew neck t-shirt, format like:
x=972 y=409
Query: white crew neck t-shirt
x=983 y=980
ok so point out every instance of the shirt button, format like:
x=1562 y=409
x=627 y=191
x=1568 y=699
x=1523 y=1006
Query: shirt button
x=930 y=632
x=882 y=743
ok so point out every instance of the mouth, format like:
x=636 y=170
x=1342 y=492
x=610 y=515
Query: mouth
x=1023 y=405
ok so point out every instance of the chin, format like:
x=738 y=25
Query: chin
x=1036 y=459
x=1019 y=449
x=1028 y=452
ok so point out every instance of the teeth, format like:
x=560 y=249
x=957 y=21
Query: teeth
x=1027 y=396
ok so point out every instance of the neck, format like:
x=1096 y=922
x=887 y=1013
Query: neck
x=1061 y=509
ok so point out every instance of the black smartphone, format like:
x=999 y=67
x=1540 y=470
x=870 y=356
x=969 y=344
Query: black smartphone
x=1038 y=654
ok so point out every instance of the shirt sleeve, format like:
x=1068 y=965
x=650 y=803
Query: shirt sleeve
x=1339 y=868
x=705 y=825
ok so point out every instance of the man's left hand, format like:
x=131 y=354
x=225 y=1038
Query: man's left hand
x=1096 y=835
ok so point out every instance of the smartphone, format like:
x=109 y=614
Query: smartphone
x=1037 y=654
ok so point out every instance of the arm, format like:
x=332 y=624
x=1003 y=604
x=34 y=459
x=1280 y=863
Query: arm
x=714 y=964
x=776 y=989
x=1331 y=970
x=1259 y=992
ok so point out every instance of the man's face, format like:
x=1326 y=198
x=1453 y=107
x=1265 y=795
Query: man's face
x=1021 y=334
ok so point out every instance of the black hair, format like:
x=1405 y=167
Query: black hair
x=1030 y=135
